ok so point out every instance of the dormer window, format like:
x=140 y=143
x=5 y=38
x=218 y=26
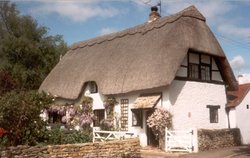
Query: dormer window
x=199 y=66
x=93 y=87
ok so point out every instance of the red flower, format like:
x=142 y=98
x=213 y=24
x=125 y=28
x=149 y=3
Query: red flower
x=2 y=132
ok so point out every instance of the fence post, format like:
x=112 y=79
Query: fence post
x=93 y=135
x=166 y=139
x=195 y=140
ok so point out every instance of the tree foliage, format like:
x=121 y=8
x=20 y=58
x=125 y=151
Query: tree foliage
x=27 y=53
x=19 y=116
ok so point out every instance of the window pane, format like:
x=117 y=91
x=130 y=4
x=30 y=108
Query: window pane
x=213 y=115
x=93 y=87
x=124 y=114
x=137 y=117
x=99 y=114
x=205 y=72
x=193 y=70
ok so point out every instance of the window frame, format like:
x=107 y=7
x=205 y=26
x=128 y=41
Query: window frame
x=200 y=65
x=213 y=113
x=99 y=117
x=190 y=71
x=137 y=118
x=93 y=87
x=124 y=104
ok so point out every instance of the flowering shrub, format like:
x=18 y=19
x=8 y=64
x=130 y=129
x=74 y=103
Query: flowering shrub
x=107 y=124
x=19 y=116
x=109 y=104
x=75 y=115
x=158 y=121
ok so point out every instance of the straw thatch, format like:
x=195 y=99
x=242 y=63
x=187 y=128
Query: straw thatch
x=142 y=57
x=146 y=101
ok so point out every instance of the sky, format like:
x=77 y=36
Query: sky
x=79 y=20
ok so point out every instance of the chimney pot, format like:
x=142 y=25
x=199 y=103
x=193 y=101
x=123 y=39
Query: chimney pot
x=154 y=8
x=154 y=15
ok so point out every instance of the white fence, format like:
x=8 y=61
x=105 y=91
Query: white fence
x=110 y=135
x=181 y=140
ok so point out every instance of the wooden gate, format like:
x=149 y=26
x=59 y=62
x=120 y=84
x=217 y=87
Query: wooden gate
x=110 y=135
x=179 y=140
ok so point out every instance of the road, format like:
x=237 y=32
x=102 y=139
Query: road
x=235 y=152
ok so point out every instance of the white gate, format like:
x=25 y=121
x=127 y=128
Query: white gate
x=179 y=140
x=110 y=135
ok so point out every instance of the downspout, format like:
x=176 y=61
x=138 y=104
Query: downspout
x=227 y=112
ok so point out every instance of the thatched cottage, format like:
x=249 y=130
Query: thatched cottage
x=173 y=62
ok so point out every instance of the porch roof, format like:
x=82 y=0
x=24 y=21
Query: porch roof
x=146 y=101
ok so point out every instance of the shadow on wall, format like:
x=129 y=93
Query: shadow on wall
x=175 y=90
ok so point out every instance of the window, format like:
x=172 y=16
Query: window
x=99 y=114
x=124 y=114
x=193 y=70
x=137 y=117
x=213 y=113
x=205 y=72
x=199 y=66
x=55 y=117
x=93 y=87
x=247 y=106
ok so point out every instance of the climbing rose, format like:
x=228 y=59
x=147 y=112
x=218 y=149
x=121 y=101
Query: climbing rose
x=159 y=120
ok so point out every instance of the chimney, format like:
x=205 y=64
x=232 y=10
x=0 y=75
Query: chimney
x=154 y=15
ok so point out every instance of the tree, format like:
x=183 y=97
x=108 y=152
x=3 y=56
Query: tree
x=27 y=53
x=19 y=116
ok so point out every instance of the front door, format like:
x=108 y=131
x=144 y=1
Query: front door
x=152 y=141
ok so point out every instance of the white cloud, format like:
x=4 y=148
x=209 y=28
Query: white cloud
x=237 y=62
x=233 y=30
x=76 y=11
x=212 y=10
x=107 y=30
x=244 y=78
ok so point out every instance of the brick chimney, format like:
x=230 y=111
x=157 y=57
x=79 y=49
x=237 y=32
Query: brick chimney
x=154 y=15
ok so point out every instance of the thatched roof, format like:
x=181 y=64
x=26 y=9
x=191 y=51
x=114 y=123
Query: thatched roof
x=146 y=101
x=142 y=57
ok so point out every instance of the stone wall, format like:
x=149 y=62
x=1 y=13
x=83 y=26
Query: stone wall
x=117 y=149
x=218 y=138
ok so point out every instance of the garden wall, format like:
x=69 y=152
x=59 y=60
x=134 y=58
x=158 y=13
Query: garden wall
x=119 y=148
x=218 y=138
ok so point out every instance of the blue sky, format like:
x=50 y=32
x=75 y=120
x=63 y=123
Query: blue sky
x=79 y=20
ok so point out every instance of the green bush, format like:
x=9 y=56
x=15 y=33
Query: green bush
x=60 y=136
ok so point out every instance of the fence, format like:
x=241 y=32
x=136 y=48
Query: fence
x=110 y=135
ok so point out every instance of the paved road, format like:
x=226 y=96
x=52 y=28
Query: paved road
x=235 y=152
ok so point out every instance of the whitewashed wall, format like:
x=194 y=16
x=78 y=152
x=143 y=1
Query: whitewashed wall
x=98 y=98
x=189 y=102
x=232 y=118
x=242 y=119
x=137 y=130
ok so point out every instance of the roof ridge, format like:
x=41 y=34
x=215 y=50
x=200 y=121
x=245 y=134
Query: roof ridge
x=142 y=28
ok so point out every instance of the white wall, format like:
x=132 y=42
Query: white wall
x=137 y=130
x=243 y=119
x=98 y=98
x=189 y=102
x=232 y=118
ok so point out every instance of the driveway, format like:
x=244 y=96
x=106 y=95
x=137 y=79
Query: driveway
x=235 y=152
